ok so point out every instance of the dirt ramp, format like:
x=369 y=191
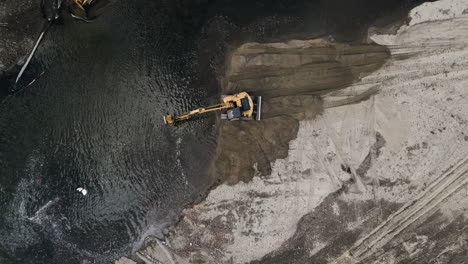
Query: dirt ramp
x=291 y=77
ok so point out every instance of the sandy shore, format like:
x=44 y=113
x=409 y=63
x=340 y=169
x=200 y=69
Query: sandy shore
x=370 y=177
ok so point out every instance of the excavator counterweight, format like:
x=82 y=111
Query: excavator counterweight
x=240 y=106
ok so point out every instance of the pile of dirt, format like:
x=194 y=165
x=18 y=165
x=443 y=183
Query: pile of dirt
x=291 y=77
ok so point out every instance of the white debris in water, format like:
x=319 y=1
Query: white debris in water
x=82 y=190
x=41 y=211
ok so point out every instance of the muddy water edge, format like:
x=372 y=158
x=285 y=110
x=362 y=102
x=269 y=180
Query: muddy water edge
x=291 y=78
x=186 y=47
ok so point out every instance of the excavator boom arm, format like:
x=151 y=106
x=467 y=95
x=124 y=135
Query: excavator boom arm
x=171 y=119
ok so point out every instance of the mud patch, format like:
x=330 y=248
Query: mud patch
x=373 y=153
x=291 y=77
x=247 y=147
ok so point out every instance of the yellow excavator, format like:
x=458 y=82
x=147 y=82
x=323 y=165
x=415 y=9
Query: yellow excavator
x=82 y=3
x=240 y=106
x=79 y=9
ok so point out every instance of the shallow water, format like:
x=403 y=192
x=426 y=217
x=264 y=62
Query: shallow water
x=93 y=120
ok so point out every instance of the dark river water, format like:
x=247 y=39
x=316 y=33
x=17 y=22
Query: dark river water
x=94 y=119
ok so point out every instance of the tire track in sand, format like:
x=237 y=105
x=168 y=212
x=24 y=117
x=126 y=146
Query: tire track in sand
x=439 y=190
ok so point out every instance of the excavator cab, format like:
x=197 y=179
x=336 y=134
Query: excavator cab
x=233 y=114
x=240 y=106
x=245 y=104
x=247 y=107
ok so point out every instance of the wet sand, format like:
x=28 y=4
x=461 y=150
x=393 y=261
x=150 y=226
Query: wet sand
x=291 y=78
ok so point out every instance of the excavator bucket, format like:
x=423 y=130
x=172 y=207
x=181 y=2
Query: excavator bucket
x=168 y=119
x=258 y=106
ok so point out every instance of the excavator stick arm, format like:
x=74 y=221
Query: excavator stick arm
x=169 y=119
